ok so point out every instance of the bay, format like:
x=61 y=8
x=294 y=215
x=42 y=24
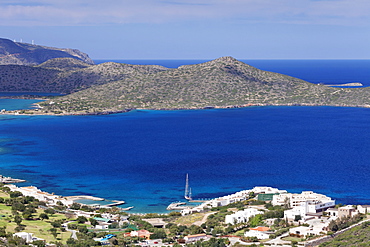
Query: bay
x=17 y=104
x=142 y=157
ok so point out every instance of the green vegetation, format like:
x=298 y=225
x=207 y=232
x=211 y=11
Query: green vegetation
x=357 y=236
x=344 y=222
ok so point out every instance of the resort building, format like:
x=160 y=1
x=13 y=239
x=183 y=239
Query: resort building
x=241 y=216
x=267 y=190
x=308 y=209
x=318 y=201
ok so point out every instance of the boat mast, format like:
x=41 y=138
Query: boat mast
x=187 y=192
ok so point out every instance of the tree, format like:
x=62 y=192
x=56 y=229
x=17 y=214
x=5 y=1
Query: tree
x=18 y=207
x=53 y=231
x=114 y=225
x=75 y=206
x=194 y=229
x=297 y=218
x=27 y=215
x=44 y=216
x=15 y=194
x=56 y=224
x=49 y=211
x=81 y=219
x=38 y=243
x=82 y=229
x=256 y=220
x=93 y=222
x=286 y=202
x=2 y=231
x=18 y=219
x=158 y=233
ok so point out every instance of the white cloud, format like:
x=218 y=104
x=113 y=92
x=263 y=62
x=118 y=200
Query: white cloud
x=97 y=12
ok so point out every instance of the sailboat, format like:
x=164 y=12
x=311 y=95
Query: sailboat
x=187 y=189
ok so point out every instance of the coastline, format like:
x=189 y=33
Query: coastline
x=170 y=114
x=36 y=112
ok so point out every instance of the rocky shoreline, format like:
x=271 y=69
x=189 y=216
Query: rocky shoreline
x=36 y=112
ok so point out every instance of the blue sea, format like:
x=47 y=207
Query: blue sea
x=142 y=157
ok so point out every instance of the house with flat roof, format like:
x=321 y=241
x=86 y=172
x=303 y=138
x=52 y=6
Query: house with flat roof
x=348 y=210
x=241 y=216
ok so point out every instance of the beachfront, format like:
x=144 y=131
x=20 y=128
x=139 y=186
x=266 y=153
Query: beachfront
x=263 y=214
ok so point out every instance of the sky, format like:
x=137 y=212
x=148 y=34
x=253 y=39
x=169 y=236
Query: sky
x=193 y=29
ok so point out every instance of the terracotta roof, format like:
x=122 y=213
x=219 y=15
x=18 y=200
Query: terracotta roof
x=260 y=229
x=197 y=235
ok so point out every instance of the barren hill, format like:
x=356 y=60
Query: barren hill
x=224 y=82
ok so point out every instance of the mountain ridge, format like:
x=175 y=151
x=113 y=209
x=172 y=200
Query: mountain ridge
x=30 y=54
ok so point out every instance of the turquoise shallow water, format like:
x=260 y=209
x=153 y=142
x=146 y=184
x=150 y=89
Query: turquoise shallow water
x=142 y=156
x=16 y=104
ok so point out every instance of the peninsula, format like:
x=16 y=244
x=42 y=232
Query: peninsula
x=115 y=87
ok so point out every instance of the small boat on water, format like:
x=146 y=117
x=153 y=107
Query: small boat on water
x=187 y=189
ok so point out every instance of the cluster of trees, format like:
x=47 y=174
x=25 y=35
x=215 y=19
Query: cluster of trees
x=344 y=222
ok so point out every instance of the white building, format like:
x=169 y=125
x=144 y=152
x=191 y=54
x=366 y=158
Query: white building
x=196 y=237
x=241 y=216
x=267 y=190
x=226 y=200
x=297 y=199
x=260 y=232
x=304 y=231
x=363 y=209
x=291 y=213
x=27 y=236
x=307 y=207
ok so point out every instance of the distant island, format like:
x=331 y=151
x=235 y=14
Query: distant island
x=115 y=87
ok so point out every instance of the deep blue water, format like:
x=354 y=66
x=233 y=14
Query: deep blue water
x=142 y=156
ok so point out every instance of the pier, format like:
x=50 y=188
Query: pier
x=115 y=203
x=9 y=180
x=177 y=206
